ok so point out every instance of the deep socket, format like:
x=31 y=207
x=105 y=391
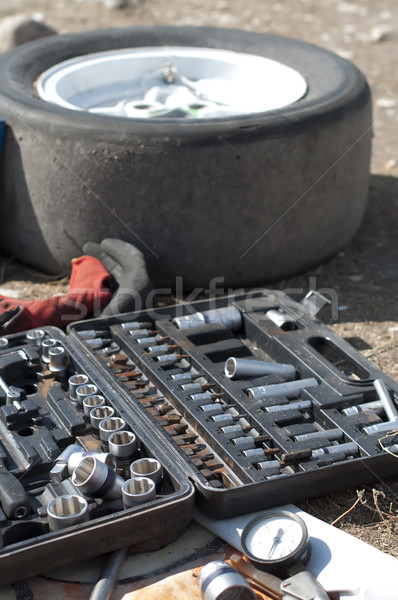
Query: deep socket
x=46 y=345
x=289 y=389
x=244 y=368
x=123 y=445
x=35 y=337
x=76 y=457
x=91 y=402
x=228 y=316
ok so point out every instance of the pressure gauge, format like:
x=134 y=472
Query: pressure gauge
x=276 y=542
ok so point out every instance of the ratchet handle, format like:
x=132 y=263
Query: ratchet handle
x=263 y=582
x=13 y=498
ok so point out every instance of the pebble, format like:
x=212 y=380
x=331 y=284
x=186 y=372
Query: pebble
x=115 y=4
x=381 y=33
x=22 y=28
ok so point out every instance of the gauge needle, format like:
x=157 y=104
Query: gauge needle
x=277 y=540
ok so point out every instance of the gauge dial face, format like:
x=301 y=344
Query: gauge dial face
x=275 y=539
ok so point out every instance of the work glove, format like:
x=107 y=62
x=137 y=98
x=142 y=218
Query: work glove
x=131 y=283
x=89 y=289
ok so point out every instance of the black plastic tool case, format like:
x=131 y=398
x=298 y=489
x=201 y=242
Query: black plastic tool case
x=34 y=431
x=200 y=424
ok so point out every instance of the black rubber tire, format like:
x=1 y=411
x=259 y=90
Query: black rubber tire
x=251 y=199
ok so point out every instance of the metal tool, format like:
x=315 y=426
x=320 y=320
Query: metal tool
x=91 y=402
x=147 y=467
x=74 y=382
x=46 y=345
x=328 y=434
x=389 y=408
x=138 y=490
x=3 y=343
x=303 y=405
x=123 y=445
x=97 y=479
x=67 y=510
x=169 y=359
x=76 y=458
x=12 y=394
x=289 y=389
x=109 y=573
x=88 y=334
x=83 y=391
x=58 y=362
x=107 y=427
x=13 y=498
x=228 y=316
x=97 y=415
x=219 y=581
x=35 y=337
x=245 y=368
x=375 y=406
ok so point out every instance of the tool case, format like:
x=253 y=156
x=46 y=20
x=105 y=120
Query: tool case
x=234 y=445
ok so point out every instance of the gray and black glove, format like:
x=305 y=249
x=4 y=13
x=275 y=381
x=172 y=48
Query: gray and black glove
x=127 y=266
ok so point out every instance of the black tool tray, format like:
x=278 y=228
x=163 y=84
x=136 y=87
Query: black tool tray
x=37 y=422
x=227 y=481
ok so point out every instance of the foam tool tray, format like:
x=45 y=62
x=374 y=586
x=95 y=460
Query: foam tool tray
x=62 y=473
x=245 y=444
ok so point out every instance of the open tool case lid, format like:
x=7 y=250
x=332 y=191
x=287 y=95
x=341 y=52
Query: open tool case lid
x=34 y=430
x=235 y=472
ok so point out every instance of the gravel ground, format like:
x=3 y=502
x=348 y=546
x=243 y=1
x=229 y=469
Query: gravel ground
x=364 y=275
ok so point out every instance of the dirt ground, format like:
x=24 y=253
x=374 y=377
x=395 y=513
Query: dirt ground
x=365 y=274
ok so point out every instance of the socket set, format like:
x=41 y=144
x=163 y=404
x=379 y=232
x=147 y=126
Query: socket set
x=80 y=474
x=258 y=401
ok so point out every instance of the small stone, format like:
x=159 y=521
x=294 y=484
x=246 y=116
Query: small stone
x=116 y=4
x=381 y=33
x=390 y=165
x=386 y=102
x=22 y=28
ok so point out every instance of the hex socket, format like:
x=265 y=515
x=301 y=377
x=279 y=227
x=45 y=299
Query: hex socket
x=46 y=346
x=108 y=426
x=67 y=510
x=123 y=444
x=289 y=389
x=138 y=491
x=244 y=368
x=97 y=415
x=147 y=467
x=76 y=458
x=88 y=389
x=219 y=581
x=58 y=358
x=97 y=479
x=74 y=382
x=91 y=402
x=35 y=337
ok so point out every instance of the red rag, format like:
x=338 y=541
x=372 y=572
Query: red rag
x=89 y=289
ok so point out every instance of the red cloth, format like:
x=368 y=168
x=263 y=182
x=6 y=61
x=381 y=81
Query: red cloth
x=89 y=288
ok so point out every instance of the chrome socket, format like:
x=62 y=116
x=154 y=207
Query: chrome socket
x=303 y=405
x=223 y=419
x=123 y=446
x=107 y=427
x=244 y=442
x=244 y=368
x=88 y=389
x=46 y=346
x=219 y=581
x=76 y=457
x=67 y=510
x=384 y=396
x=289 y=389
x=59 y=472
x=91 y=402
x=58 y=362
x=212 y=409
x=229 y=316
x=147 y=467
x=74 y=382
x=185 y=377
x=34 y=337
x=326 y=434
x=146 y=341
x=3 y=343
x=138 y=491
x=375 y=406
x=97 y=415
x=96 y=479
x=269 y=467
